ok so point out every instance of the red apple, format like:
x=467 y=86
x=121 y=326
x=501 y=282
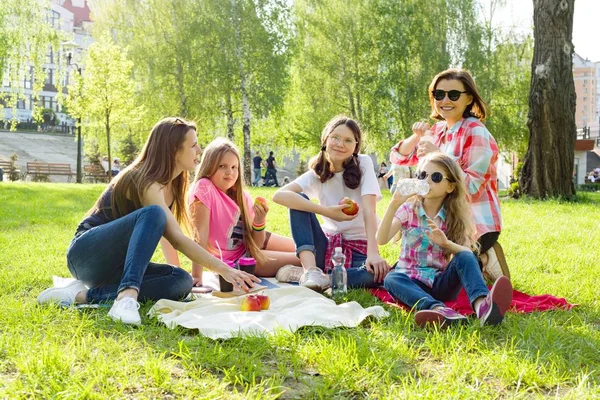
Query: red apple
x=352 y=208
x=250 y=303
x=265 y=302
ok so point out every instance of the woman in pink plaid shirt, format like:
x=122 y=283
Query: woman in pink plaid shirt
x=462 y=135
x=437 y=258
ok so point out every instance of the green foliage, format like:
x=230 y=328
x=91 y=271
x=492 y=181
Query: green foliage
x=514 y=190
x=25 y=38
x=589 y=187
x=103 y=98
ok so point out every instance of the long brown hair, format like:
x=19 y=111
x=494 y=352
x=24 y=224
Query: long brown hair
x=477 y=108
x=459 y=224
x=155 y=163
x=322 y=164
x=211 y=158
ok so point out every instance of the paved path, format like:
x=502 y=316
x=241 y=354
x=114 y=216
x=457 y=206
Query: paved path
x=39 y=146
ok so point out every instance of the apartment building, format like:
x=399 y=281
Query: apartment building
x=73 y=18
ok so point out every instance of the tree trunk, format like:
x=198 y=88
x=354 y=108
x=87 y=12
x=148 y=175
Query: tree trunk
x=548 y=166
x=230 y=119
x=244 y=91
x=107 y=126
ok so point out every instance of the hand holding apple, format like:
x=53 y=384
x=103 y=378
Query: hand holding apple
x=351 y=209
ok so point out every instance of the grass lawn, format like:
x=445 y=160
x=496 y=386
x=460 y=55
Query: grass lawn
x=47 y=352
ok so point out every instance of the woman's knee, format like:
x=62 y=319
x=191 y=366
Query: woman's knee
x=156 y=214
x=181 y=284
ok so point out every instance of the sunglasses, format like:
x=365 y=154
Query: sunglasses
x=453 y=95
x=436 y=177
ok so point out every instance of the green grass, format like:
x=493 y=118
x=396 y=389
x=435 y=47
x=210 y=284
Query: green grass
x=47 y=352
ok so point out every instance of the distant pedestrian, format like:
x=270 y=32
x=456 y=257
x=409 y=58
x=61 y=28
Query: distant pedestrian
x=257 y=160
x=271 y=171
x=116 y=167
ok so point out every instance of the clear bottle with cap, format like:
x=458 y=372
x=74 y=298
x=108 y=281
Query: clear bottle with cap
x=413 y=186
x=339 y=277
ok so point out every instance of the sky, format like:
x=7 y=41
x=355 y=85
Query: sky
x=586 y=36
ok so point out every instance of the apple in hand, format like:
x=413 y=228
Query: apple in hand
x=265 y=302
x=260 y=200
x=353 y=207
x=250 y=303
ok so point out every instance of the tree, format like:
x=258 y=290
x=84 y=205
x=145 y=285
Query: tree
x=548 y=164
x=25 y=38
x=104 y=96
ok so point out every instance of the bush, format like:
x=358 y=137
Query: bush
x=589 y=187
x=514 y=190
x=302 y=168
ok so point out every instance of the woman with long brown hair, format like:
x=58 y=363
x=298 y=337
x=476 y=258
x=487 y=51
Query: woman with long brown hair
x=461 y=134
x=113 y=245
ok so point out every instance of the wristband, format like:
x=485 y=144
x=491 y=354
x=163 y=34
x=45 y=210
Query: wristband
x=259 y=227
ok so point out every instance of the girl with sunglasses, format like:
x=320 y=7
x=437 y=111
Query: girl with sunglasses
x=113 y=245
x=337 y=172
x=462 y=135
x=438 y=243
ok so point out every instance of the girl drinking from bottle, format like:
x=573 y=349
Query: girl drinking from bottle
x=227 y=222
x=462 y=135
x=337 y=172
x=438 y=240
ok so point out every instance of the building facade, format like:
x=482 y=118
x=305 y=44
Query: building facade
x=73 y=18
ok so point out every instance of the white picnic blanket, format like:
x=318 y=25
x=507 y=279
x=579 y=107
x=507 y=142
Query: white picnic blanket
x=291 y=308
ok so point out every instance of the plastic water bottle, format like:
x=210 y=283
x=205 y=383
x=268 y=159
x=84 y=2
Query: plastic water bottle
x=339 y=277
x=412 y=186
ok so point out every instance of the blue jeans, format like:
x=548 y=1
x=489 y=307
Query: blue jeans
x=257 y=176
x=462 y=271
x=271 y=177
x=116 y=256
x=309 y=236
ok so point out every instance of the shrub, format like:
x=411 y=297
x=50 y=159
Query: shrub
x=589 y=187
x=514 y=190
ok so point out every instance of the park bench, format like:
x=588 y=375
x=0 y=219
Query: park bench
x=9 y=170
x=40 y=170
x=94 y=173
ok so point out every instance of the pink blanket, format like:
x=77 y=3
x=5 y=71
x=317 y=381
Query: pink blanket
x=521 y=302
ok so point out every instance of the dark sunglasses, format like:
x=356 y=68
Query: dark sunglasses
x=436 y=177
x=453 y=95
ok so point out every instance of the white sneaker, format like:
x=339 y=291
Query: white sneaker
x=64 y=296
x=289 y=273
x=126 y=311
x=315 y=279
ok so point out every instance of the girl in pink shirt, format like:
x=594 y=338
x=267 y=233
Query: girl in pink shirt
x=226 y=221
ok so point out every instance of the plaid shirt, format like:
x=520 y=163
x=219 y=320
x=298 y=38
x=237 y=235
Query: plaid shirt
x=474 y=149
x=358 y=245
x=420 y=258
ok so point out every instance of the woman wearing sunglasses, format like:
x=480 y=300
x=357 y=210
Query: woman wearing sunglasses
x=337 y=172
x=438 y=239
x=462 y=135
x=113 y=245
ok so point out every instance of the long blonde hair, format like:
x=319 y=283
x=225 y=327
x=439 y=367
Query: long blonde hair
x=155 y=163
x=459 y=224
x=211 y=159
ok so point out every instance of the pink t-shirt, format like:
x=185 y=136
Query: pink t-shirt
x=226 y=229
